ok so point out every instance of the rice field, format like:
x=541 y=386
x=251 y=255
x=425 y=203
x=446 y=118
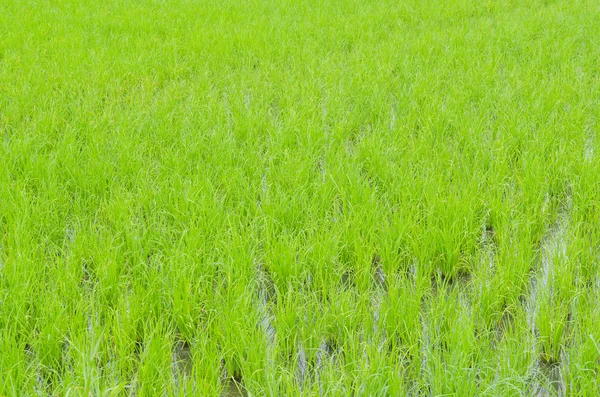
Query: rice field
x=285 y=198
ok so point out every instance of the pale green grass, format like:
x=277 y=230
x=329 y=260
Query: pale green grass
x=299 y=198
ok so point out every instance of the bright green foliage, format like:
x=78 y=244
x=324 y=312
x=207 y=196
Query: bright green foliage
x=276 y=197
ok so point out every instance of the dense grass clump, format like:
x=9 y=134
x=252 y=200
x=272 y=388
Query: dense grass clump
x=347 y=198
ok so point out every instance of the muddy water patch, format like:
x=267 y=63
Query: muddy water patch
x=489 y=247
x=488 y=244
x=232 y=384
x=310 y=369
x=547 y=371
x=380 y=290
x=302 y=370
x=326 y=354
x=181 y=362
x=233 y=387
x=31 y=357
x=266 y=294
x=43 y=380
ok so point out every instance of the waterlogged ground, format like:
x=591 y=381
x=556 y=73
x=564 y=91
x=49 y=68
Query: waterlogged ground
x=349 y=198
